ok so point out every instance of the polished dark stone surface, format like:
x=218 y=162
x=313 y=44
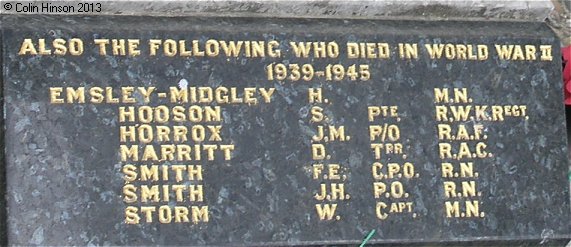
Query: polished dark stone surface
x=64 y=180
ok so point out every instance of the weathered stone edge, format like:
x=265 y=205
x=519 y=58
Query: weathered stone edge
x=3 y=194
x=527 y=10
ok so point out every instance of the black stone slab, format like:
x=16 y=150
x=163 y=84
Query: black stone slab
x=65 y=175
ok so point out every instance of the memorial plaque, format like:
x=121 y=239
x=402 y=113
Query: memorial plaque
x=252 y=131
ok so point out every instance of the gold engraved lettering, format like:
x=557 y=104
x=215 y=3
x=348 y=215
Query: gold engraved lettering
x=131 y=216
x=464 y=151
x=523 y=52
x=59 y=46
x=335 y=133
x=146 y=133
x=315 y=95
x=457 y=51
x=165 y=214
x=379 y=211
x=162 y=114
x=170 y=48
x=326 y=211
x=337 y=192
x=27 y=48
x=127 y=93
x=319 y=49
x=386 y=148
x=546 y=53
x=181 y=214
x=129 y=172
x=55 y=93
x=133 y=45
x=272 y=49
x=334 y=171
x=317 y=170
x=220 y=95
x=471 y=208
x=174 y=152
x=102 y=45
x=118 y=47
x=530 y=52
x=42 y=47
x=317 y=114
x=379 y=189
x=466 y=170
x=74 y=47
x=161 y=173
x=368 y=50
x=199 y=214
x=318 y=152
x=215 y=48
x=442 y=95
x=163 y=193
x=382 y=111
x=408 y=51
x=129 y=195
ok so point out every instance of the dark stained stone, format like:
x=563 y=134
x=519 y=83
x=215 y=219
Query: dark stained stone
x=65 y=176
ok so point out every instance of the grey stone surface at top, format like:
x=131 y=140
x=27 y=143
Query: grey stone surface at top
x=431 y=9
